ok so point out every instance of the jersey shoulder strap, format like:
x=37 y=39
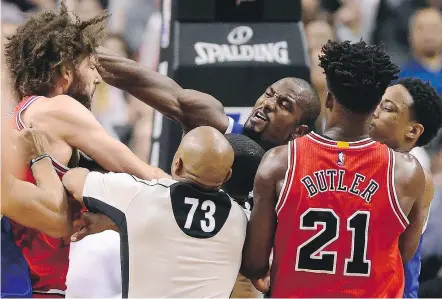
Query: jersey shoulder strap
x=199 y=213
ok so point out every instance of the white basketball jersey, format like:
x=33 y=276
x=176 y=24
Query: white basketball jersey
x=177 y=240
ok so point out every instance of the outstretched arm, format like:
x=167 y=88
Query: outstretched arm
x=76 y=125
x=262 y=225
x=103 y=194
x=190 y=108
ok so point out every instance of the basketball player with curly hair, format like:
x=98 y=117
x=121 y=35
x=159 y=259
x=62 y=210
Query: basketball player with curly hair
x=53 y=67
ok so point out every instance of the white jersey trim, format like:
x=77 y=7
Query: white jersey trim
x=18 y=119
x=394 y=191
x=288 y=179
x=230 y=126
x=392 y=195
x=426 y=220
x=51 y=291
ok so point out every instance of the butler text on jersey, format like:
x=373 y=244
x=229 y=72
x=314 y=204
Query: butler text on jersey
x=332 y=180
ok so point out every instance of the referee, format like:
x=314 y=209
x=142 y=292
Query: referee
x=180 y=237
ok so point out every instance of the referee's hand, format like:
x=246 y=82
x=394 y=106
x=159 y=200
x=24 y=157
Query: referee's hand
x=91 y=223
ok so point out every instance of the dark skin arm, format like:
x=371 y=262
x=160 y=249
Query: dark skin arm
x=409 y=240
x=262 y=225
x=415 y=192
x=188 y=107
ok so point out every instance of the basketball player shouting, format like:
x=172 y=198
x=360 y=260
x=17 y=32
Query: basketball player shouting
x=333 y=207
x=287 y=109
x=184 y=231
x=53 y=67
x=410 y=115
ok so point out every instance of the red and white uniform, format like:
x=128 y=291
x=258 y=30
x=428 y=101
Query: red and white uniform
x=47 y=257
x=339 y=222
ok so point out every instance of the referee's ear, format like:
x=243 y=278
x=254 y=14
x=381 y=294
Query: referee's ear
x=177 y=167
x=229 y=175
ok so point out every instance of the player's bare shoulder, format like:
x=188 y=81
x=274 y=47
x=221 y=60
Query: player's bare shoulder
x=409 y=180
x=66 y=105
x=275 y=161
x=273 y=167
x=67 y=115
x=47 y=111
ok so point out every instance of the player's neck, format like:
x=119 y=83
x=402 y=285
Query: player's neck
x=53 y=94
x=347 y=129
x=404 y=148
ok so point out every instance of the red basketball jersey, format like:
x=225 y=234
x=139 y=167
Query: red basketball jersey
x=47 y=257
x=339 y=222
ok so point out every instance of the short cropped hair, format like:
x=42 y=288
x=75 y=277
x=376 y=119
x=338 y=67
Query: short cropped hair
x=357 y=74
x=426 y=108
x=248 y=155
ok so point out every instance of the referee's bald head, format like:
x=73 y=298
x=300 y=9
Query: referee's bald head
x=204 y=157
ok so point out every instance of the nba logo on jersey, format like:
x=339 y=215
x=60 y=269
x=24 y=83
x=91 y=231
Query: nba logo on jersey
x=341 y=159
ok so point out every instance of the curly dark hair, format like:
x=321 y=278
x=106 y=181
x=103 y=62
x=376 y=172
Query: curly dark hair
x=48 y=41
x=357 y=74
x=426 y=107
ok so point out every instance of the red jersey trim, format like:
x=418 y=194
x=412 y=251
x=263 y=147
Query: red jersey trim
x=331 y=143
x=59 y=168
x=290 y=173
x=392 y=195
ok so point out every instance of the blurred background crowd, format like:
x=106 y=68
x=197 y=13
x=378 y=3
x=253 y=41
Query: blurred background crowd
x=410 y=29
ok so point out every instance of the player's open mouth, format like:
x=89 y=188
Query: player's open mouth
x=260 y=115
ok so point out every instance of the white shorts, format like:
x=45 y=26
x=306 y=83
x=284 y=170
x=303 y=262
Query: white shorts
x=94 y=267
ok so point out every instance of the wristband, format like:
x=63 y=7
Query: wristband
x=35 y=160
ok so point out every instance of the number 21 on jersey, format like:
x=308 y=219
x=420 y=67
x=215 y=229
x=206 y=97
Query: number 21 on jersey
x=311 y=256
